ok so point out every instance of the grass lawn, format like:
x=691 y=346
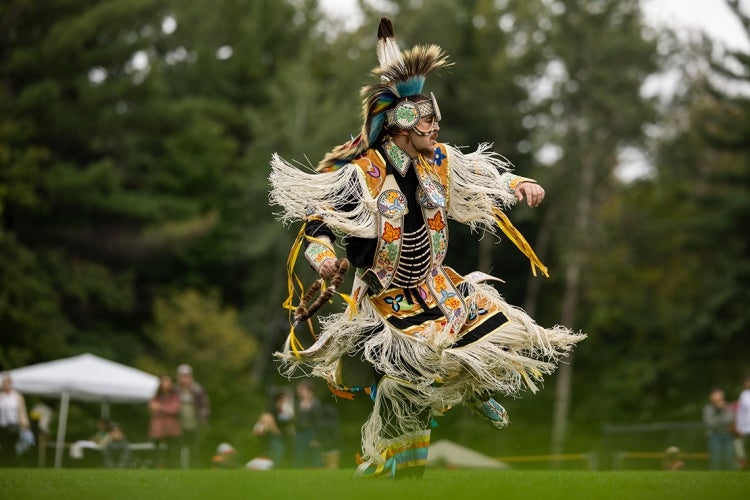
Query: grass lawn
x=84 y=484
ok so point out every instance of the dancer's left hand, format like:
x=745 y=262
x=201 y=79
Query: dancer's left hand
x=533 y=192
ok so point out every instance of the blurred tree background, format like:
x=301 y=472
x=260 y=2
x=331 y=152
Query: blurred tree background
x=135 y=139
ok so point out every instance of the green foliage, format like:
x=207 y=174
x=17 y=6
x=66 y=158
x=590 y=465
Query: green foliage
x=30 y=315
x=194 y=327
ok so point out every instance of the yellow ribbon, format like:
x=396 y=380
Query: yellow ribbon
x=293 y=279
x=291 y=275
x=517 y=238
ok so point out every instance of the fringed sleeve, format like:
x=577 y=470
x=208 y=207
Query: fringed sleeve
x=329 y=197
x=479 y=185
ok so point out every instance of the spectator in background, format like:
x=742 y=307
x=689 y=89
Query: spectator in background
x=672 y=460
x=307 y=418
x=116 y=450
x=282 y=411
x=742 y=422
x=275 y=427
x=331 y=439
x=739 y=448
x=164 y=429
x=40 y=417
x=718 y=420
x=194 y=412
x=13 y=420
x=102 y=432
x=225 y=457
x=97 y=441
x=274 y=447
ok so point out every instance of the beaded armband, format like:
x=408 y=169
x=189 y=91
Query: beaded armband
x=318 y=251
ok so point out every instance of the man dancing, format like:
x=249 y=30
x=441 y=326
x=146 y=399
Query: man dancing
x=416 y=336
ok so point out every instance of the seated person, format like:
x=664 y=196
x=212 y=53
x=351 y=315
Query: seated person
x=116 y=450
x=102 y=432
x=224 y=457
x=96 y=442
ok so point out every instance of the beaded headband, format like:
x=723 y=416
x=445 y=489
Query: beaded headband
x=406 y=114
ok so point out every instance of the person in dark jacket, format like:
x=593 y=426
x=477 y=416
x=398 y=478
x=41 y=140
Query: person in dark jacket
x=718 y=419
x=194 y=412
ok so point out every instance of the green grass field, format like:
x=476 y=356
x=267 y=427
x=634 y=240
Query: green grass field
x=84 y=484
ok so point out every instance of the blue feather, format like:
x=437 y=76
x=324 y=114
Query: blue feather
x=411 y=86
x=375 y=125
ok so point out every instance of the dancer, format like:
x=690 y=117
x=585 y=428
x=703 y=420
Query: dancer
x=416 y=336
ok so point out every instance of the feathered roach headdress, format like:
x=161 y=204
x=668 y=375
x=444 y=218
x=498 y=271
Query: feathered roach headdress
x=402 y=75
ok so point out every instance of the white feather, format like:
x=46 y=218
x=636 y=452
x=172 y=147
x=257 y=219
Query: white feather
x=388 y=52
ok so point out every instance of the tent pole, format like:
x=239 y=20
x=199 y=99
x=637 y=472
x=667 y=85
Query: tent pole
x=61 y=427
x=105 y=410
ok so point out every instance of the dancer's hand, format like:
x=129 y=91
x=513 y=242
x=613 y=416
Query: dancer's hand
x=328 y=269
x=533 y=192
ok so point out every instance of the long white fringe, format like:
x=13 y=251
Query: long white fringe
x=506 y=361
x=400 y=399
x=478 y=183
x=300 y=193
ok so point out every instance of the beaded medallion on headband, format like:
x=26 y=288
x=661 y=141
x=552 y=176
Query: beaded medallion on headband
x=406 y=114
x=387 y=104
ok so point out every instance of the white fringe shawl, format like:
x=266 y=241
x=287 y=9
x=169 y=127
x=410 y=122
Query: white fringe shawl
x=478 y=183
x=301 y=193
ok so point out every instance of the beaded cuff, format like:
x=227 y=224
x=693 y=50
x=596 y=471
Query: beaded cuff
x=318 y=251
x=514 y=180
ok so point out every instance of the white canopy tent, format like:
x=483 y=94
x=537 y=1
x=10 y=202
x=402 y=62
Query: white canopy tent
x=83 y=378
x=444 y=453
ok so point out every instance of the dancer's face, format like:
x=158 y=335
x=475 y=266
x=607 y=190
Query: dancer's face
x=424 y=136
